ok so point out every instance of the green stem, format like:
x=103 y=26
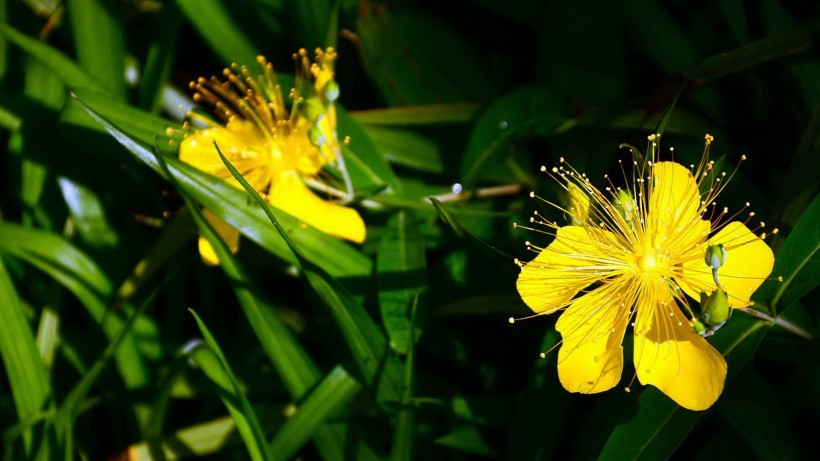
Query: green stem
x=783 y=323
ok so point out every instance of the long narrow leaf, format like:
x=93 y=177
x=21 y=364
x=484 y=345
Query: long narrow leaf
x=25 y=372
x=76 y=271
x=100 y=42
x=213 y=21
x=333 y=392
x=62 y=66
x=293 y=364
x=363 y=336
x=215 y=365
x=230 y=204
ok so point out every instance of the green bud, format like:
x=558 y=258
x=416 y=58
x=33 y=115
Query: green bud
x=313 y=108
x=715 y=256
x=699 y=328
x=332 y=91
x=316 y=137
x=714 y=312
x=625 y=204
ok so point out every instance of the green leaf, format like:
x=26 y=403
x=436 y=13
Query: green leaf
x=147 y=128
x=451 y=221
x=87 y=213
x=99 y=42
x=658 y=34
x=798 y=262
x=214 y=364
x=232 y=205
x=406 y=148
x=160 y=59
x=433 y=114
x=366 y=341
x=73 y=269
x=176 y=232
x=330 y=395
x=70 y=407
x=570 y=57
x=361 y=154
x=776 y=19
x=213 y=21
x=402 y=277
x=198 y=440
x=291 y=361
x=468 y=439
x=411 y=68
x=405 y=433
x=46 y=248
x=310 y=18
x=772 y=440
x=512 y=117
x=62 y=66
x=25 y=372
x=802 y=179
x=658 y=426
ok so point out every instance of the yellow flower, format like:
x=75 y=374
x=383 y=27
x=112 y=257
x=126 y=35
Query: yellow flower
x=639 y=251
x=277 y=150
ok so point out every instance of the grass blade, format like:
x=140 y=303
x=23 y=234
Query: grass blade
x=363 y=336
x=76 y=271
x=330 y=395
x=62 y=66
x=99 y=42
x=213 y=21
x=214 y=364
x=26 y=375
x=291 y=361
x=230 y=204
x=402 y=277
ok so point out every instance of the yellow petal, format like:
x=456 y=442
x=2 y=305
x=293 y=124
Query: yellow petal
x=240 y=143
x=290 y=195
x=567 y=265
x=748 y=262
x=591 y=358
x=674 y=202
x=672 y=357
x=228 y=234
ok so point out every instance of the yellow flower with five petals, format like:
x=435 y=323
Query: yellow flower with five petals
x=278 y=151
x=632 y=259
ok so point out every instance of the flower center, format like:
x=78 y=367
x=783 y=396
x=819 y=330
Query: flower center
x=648 y=263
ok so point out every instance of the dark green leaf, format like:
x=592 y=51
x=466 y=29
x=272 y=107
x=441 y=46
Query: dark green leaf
x=413 y=68
x=406 y=148
x=659 y=425
x=467 y=439
x=232 y=205
x=99 y=42
x=772 y=440
x=512 y=117
x=294 y=365
x=214 y=364
x=329 y=396
x=87 y=213
x=77 y=272
x=25 y=372
x=402 y=277
x=451 y=221
x=798 y=262
x=60 y=64
x=213 y=21
x=363 y=336
x=418 y=115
